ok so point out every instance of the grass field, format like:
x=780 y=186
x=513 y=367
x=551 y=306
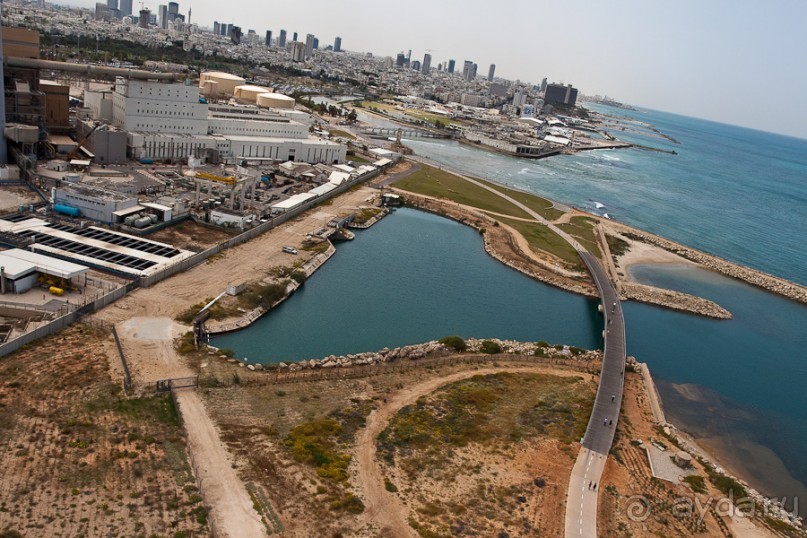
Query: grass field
x=582 y=228
x=542 y=239
x=542 y=206
x=430 y=181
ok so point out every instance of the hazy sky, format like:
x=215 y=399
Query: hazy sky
x=734 y=61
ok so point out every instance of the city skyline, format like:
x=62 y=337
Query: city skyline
x=686 y=58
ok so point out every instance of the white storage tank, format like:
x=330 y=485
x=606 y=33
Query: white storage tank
x=275 y=100
x=225 y=83
x=250 y=93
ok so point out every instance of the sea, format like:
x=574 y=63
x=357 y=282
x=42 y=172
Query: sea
x=736 y=386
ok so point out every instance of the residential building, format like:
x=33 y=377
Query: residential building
x=427 y=63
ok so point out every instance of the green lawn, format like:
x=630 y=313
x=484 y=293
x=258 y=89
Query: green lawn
x=542 y=239
x=542 y=206
x=582 y=229
x=430 y=181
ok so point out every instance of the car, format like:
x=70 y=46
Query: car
x=290 y=250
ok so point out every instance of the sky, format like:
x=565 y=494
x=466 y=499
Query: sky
x=733 y=61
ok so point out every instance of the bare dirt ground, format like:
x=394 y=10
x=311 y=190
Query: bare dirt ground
x=257 y=422
x=14 y=197
x=189 y=235
x=77 y=458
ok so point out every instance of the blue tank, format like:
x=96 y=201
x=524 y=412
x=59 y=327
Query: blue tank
x=66 y=210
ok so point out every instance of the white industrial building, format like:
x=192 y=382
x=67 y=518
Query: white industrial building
x=20 y=270
x=168 y=122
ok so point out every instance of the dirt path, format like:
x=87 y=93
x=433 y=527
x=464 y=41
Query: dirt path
x=231 y=511
x=383 y=508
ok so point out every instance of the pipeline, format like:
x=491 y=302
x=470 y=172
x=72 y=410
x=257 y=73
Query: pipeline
x=88 y=69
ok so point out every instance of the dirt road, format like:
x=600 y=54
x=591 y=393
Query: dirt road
x=382 y=508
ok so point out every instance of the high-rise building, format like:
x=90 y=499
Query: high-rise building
x=468 y=70
x=162 y=11
x=125 y=7
x=519 y=99
x=451 y=65
x=427 y=63
x=337 y=44
x=558 y=94
x=145 y=18
x=309 y=46
x=416 y=65
x=173 y=10
x=281 y=39
x=297 y=51
x=543 y=85
x=268 y=38
x=491 y=71
x=235 y=33
x=112 y=4
x=473 y=75
x=316 y=43
x=400 y=60
x=294 y=36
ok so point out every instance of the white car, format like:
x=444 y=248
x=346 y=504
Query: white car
x=290 y=250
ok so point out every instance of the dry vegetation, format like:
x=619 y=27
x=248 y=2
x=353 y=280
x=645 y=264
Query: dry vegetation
x=489 y=455
x=79 y=458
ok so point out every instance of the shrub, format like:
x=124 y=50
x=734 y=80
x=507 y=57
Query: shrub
x=696 y=482
x=490 y=347
x=541 y=343
x=454 y=342
x=299 y=276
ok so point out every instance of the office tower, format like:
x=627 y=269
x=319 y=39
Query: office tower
x=468 y=70
x=112 y=4
x=337 y=44
x=400 y=59
x=309 y=46
x=427 y=63
x=297 y=51
x=125 y=7
x=294 y=36
x=268 y=38
x=216 y=26
x=281 y=39
x=543 y=85
x=491 y=71
x=173 y=10
x=162 y=11
x=416 y=65
x=316 y=43
x=145 y=18
x=473 y=76
x=235 y=34
x=451 y=65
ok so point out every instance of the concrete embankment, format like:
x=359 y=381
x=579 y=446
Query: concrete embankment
x=229 y=325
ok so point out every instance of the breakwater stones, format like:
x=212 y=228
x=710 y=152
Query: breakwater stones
x=674 y=300
x=434 y=349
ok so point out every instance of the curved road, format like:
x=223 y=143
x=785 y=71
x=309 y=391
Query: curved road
x=581 y=499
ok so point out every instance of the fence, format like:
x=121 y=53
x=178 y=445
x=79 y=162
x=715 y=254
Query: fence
x=401 y=366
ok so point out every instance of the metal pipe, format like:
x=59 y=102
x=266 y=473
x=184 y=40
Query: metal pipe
x=88 y=69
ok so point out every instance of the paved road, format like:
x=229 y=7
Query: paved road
x=581 y=500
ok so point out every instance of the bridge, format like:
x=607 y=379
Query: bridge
x=386 y=132
x=581 y=500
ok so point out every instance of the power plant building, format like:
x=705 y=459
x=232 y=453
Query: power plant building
x=167 y=122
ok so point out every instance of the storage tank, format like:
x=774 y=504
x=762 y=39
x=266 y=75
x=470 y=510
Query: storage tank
x=142 y=222
x=250 y=93
x=225 y=83
x=66 y=210
x=128 y=221
x=153 y=218
x=56 y=291
x=275 y=100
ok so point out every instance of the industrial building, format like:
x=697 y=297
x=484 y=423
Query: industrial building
x=93 y=202
x=20 y=270
x=168 y=122
x=96 y=247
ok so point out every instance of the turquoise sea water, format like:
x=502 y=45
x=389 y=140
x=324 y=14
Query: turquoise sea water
x=734 y=192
